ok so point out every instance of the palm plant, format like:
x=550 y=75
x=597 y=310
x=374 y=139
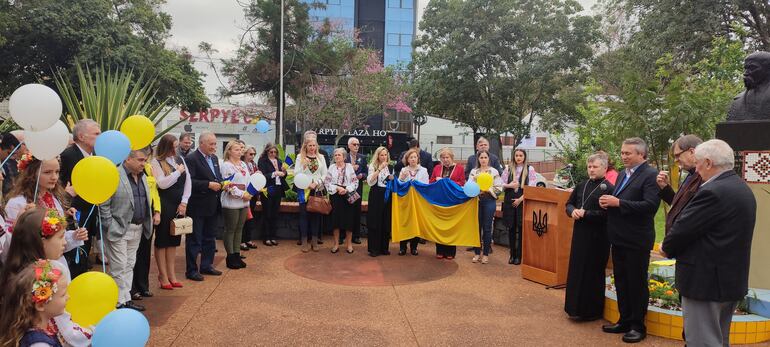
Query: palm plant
x=108 y=97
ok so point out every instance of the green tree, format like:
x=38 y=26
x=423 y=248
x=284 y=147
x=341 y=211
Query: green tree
x=346 y=99
x=39 y=37
x=496 y=64
x=308 y=52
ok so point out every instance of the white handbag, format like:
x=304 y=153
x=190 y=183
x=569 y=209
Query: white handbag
x=181 y=226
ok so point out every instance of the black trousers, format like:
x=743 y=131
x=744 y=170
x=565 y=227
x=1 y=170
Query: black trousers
x=141 y=281
x=412 y=243
x=514 y=234
x=630 y=268
x=445 y=250
x=271 y=206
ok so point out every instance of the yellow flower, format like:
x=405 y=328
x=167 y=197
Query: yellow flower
x=53 y=221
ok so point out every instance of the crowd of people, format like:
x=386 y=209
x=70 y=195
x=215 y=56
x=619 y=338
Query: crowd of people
x=43 y=218
x=708 y=231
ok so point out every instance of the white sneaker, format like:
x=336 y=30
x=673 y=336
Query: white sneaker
x=484 y=259
x=475 y=259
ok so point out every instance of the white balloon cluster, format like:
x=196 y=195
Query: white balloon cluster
x=37 y=109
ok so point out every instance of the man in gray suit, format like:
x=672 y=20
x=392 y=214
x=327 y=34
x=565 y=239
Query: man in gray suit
x=125 y=217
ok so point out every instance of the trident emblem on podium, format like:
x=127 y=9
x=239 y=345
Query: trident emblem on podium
x=540 y=222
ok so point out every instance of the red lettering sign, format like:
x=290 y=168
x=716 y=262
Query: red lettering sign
x=231 y=116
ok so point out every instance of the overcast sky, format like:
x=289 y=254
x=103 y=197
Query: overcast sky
x=220 y=22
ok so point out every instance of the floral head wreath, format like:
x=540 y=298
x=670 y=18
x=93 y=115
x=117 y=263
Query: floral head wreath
x=46 y=281
x=52 y=223
x=25 y=160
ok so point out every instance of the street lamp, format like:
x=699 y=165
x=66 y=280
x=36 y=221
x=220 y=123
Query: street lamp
x=280 y=101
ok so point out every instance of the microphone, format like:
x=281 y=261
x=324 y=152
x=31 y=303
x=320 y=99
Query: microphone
x=603 y=187
x=569 y=166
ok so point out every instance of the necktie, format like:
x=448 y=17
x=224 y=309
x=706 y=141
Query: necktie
x=623 y=184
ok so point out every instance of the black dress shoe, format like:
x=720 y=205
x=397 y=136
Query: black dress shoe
x=402 y=252
x=357 y=240
x=615 y=328
x=414 y=252
x=385 y=253
x=212 y=272
x=132 y=305
x=634 y=336
x=194 y=277
x=136 y=296
x=372 y=254
x=511 y=260
x=146 y=294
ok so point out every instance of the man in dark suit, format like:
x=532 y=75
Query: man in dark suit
x=362 y=169
x=84 y=134
x=711 y=241
x=631 y=230
x=203 y=207
x=426 y=159
x=684 y=155
x=482 y=144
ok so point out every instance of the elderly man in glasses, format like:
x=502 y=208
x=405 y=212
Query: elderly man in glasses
x=359 y=165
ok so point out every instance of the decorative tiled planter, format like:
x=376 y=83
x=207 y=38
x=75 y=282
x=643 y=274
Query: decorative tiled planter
x=661 y=322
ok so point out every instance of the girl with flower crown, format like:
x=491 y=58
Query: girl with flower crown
x=49 y=196
x=39 y=234
x=33 y=297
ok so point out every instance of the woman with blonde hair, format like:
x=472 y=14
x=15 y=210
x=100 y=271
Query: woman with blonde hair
x=341 y=182
x=412 y=171
x=456 y=173
x=235 y=202
x=311 y=163
x=378 y=216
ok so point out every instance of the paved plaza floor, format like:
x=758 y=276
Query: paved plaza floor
x=288 y=298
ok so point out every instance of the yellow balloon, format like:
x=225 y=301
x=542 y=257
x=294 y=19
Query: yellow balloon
x=92 y=296
x=95 y=179
x=484 y=181
x=140 y=131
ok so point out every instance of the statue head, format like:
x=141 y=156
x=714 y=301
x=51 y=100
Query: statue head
x=756 y=69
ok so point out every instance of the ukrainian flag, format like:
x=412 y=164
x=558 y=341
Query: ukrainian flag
x=439 y=212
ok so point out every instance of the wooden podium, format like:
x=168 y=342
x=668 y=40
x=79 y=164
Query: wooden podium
x=547 y=236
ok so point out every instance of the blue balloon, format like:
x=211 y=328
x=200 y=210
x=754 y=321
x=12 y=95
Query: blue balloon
x=471 y=189
x=113 y=145
x=263 y=126
x=122 y=328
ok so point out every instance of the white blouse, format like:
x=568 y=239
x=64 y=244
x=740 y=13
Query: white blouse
x=421 y=175
x=233 y=198
x=318 y=176
x=497 y=182
x=381 y=179
x=345 y=177
x=165 y=181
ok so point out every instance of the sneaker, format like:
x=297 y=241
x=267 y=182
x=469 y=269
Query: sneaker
x=475 y=259
x=484 y=259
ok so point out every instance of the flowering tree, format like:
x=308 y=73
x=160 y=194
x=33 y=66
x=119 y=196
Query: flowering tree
x=345 y=100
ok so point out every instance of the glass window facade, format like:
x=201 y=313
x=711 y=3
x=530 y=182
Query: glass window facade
x=341 y=14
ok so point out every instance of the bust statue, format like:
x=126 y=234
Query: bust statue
x=754 y=102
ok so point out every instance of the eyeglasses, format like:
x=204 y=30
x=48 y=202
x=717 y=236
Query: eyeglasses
x=273 y=152
x=676 y=155
x=354 y=144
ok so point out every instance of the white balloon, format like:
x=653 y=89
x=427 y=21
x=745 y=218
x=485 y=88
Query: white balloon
x=257 y=181
x=35 y=107
x=49 y=143
x=301 y=181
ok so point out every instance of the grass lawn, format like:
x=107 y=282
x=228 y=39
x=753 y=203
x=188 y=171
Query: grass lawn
x=660 y=224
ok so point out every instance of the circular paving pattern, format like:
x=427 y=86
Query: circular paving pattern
x=359 y=269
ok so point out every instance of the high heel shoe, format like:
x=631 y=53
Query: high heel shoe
x=166 y=286
x=176 y=284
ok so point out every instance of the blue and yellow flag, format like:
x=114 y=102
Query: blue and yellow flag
x=439 y=212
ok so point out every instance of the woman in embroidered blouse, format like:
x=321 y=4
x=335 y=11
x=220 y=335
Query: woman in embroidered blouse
x=272 y=167
x=378 y=217
x=250 y=227
x=455 y=172
x=49 y=195
x=487 y=204
x=311 y=163
x=174 y=188
x=412 y=171
x=235 y=202
x=516 y=179
x=340 y=180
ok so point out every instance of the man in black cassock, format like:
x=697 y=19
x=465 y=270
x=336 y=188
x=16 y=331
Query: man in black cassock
x=584 y=299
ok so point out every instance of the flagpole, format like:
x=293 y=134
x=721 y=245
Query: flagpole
x=280 y=101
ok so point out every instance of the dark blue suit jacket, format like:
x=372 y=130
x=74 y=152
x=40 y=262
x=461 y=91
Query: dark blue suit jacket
x=203 y=202
x=632 y=225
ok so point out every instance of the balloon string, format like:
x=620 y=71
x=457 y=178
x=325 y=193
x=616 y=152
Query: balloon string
x=39 y=170
x=11 y=154
x=101 y=241
x=77 y=253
